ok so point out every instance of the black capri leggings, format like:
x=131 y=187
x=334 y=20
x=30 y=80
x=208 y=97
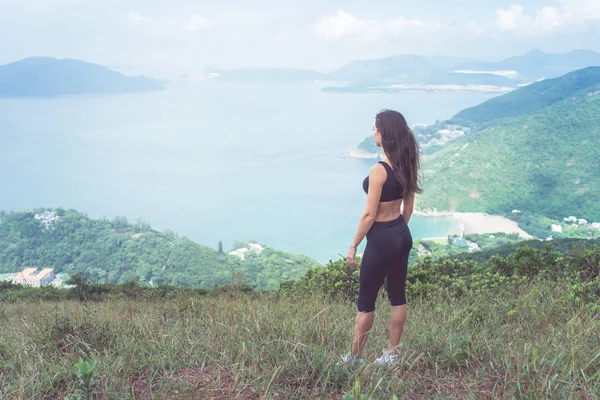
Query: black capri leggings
x=386 y=257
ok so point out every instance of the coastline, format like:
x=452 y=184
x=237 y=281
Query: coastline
x=361 y=154
x=478 y=222
x=412 y=87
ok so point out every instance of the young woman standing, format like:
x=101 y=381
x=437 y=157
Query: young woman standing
x=390 y=187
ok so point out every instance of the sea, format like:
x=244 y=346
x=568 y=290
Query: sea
x=212 y=161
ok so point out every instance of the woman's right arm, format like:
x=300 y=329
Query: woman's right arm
x=408 y=206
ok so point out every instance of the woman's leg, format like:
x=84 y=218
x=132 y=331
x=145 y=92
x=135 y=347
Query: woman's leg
x=397 y=320
x=396 y=289
x=372 y=276
x=364 y=323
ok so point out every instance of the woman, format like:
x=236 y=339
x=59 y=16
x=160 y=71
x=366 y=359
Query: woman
x=390 y=187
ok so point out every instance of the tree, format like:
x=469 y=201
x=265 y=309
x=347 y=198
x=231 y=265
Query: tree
x=220 y=247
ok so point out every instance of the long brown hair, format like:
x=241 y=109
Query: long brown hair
x=401 y=148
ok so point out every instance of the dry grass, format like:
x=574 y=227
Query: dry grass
x=527 y=344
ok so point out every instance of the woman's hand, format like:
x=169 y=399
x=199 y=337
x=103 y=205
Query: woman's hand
x=350 y=257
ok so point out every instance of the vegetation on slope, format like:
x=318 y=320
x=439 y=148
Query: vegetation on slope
x=530 y=99
x=544 y=163
x=118 y=251
x=578 y=266
x=559 y=245
x=369 y=145
x=438 y=248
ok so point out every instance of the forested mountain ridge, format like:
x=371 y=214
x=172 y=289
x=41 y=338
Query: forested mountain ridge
x=545 y=163
x=529 y=99
x=116 y=251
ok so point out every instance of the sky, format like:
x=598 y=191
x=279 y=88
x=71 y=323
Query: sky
x=166 y=37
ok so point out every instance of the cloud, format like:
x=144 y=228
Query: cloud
x=137 y=18
x=170 y=26
x=476 y=28
x=197 y=23
x=512 y=19
x=568 y=15
x=343 y=24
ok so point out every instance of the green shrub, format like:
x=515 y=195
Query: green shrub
x=577 y=267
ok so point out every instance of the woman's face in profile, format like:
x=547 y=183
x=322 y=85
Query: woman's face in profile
x=376 y=136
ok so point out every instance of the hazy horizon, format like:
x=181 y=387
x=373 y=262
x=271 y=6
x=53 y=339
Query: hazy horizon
x=187 y=36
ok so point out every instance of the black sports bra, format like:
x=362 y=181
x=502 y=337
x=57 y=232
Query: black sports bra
x=391 y=188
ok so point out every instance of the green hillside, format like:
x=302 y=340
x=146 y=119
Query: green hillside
x=560 y=245
x=545 y=163
x=532 y=98
x=118 y=251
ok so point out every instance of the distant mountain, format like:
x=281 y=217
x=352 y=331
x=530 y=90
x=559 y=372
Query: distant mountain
x=532 y=98
x=44 y=76
x=445 y=61
x=537 y=64
x=381 y=74
x=397 y=69
x=361 y=75
x=534 y=150
x=422 y=72
x=409 y=71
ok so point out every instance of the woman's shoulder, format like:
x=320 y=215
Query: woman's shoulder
x=378 y=170
x=380 y=166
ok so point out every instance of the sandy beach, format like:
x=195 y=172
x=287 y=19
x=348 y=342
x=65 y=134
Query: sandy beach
x=480 y=223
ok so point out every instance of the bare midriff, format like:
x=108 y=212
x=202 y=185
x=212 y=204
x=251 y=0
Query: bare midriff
x=388 y=211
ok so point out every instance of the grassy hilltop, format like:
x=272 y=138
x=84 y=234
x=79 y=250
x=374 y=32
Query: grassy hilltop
x=523 y=325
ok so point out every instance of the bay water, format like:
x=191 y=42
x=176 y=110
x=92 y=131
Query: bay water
x=212 y=161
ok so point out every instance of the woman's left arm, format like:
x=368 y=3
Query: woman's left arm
x=377 y=177
x=408 y=205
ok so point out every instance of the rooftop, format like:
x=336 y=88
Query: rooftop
x=33 y=274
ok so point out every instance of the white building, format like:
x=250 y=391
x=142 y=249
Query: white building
x=251 y=247
x=596 y=225
x=47 y=218
x=557 y=228
x=240 y=253
x=582 y=222
x=257 y=248
x=33 y=277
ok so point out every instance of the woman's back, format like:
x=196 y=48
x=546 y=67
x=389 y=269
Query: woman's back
x=391 y=195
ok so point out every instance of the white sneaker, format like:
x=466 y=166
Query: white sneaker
x=387 y=358
x=349 y=358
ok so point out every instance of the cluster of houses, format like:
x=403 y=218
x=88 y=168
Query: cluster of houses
x=47 y=218
x=251 y=248
x=461 y=241
x=576 y=223
x=35 y=277
x=448 y=134
x=439 y=133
